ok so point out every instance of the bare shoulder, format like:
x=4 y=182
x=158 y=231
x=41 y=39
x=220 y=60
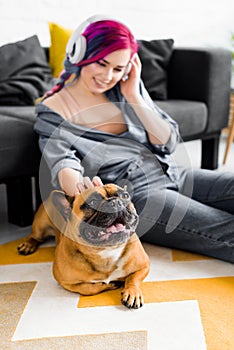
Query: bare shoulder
x=54 y=102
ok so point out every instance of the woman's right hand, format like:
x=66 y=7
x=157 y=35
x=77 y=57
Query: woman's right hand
x=86 y=183
x=130 y=87
x=72 y=182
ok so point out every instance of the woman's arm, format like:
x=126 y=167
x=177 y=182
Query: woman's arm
x=56 y=144
x=159 y=129
x=72 y=182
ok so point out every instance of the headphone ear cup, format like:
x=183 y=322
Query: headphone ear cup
x=78 y=49
x=76 y=46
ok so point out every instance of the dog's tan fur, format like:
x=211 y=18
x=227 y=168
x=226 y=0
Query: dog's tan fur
x=80 y=266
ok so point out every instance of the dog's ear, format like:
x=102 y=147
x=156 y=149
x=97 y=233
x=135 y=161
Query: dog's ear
x=63 y=203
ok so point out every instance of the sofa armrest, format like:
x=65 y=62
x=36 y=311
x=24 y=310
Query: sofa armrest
x=202 y=74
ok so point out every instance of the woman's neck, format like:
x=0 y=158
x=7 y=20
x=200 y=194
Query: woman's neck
x=78 y=88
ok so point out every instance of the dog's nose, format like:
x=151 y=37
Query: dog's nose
x=117 y=204
x=112 y=205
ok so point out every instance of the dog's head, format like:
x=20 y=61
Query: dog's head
x=100 y=216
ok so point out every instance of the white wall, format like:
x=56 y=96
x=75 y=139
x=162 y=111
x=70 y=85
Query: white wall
x=189 y=23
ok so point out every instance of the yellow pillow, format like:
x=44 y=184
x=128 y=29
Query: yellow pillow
x=58 y=37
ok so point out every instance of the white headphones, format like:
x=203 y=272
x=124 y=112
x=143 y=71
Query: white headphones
x=76 y=46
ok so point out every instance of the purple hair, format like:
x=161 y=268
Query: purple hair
x=103 y=37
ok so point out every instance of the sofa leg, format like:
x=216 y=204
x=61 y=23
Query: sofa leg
x=20 y=201
x=210 y=153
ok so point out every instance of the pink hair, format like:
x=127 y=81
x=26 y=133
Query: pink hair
x=103 y=37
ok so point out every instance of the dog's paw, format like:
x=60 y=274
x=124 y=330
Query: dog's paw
x=28 y=247
x=132 y=298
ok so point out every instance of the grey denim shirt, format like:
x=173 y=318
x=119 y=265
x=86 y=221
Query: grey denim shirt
x=93 y=152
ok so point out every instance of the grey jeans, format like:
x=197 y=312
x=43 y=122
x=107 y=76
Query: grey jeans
x=195 y=213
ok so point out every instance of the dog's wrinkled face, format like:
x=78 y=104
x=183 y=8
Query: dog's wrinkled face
x=100 y=216
x=109 y=217
x=107 y=214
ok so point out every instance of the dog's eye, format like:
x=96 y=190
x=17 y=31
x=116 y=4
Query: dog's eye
x=125 y=196
x=92 y=203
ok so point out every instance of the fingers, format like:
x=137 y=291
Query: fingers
x=136 y=62
x=83 y=184
x=97 y=181
x=86 y=183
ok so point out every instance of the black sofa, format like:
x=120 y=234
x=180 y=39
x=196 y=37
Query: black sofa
x=198 y=91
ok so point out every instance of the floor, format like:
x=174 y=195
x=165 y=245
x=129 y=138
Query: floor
x=177 y=312
x=187 y=153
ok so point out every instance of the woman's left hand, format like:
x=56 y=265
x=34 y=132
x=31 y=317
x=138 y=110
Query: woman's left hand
x=130 y=87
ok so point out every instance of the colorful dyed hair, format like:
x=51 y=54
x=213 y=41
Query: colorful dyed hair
x=103 y=37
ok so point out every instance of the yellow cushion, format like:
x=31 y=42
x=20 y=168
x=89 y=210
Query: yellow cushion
x=58 y=37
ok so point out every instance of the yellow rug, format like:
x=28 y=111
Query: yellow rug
x=189 y=304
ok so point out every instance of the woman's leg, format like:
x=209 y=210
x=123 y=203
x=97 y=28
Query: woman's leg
x=198 y=217
x=191 y=226
x=213 y=188
x=194 y=215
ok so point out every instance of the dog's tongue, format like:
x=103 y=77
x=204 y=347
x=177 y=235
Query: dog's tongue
x=115 y=228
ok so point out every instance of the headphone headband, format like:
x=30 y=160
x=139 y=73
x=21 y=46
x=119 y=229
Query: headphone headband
x=76 y=46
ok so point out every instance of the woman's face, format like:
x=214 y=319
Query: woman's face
x=101 y=76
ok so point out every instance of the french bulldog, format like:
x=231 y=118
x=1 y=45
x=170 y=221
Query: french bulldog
x=97 y=248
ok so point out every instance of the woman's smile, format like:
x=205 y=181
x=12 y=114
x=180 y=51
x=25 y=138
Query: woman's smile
x=101 y=83
x=106 y=73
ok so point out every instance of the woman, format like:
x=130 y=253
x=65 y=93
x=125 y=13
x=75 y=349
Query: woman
x=98 y=125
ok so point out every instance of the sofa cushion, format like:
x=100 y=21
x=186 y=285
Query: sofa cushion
x=155 y=56
x=19 y=151
x=25 y=74
x=26 y=113
x=191 y=116
x=57 y=51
